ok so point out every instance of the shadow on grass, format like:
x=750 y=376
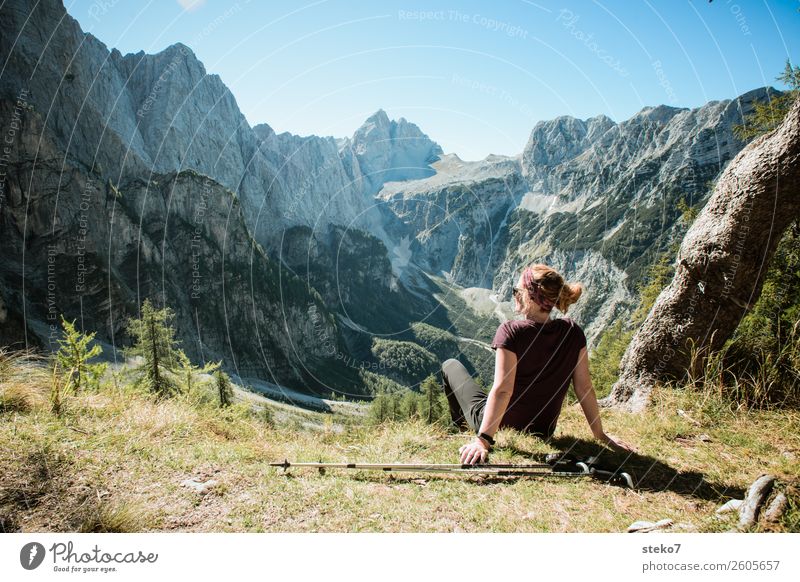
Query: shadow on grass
x=648 y=473
x=28 y=486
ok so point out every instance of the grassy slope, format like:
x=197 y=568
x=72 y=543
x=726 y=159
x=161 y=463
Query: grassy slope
x=116 y=460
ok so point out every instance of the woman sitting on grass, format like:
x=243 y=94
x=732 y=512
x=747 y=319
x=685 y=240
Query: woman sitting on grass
x=535 y=360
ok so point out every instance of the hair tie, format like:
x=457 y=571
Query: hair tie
x=535 y=291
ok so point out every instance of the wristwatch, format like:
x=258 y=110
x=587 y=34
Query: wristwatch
x=487 y=438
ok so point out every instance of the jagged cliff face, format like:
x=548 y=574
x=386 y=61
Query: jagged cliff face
x=606 y=202
x=388 y=150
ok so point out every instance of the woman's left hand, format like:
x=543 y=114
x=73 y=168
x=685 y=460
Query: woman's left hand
x=474 y=452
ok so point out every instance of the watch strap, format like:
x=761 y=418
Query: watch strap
x=487 y=438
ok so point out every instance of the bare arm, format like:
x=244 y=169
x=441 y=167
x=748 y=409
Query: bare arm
x=505 y=371
x=584 y=391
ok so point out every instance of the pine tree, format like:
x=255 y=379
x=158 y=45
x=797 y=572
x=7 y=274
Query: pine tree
x=73 y=358
x=224 y=388
x=767 y=116
x=154 y=341
x=433 y=405
x=763 y=355
x=188 y=370
x=410 y=404
x=379 y=408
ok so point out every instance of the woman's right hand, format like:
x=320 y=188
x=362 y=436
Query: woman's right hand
x=474 y=452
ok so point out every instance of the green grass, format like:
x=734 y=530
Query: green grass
x=115 y=459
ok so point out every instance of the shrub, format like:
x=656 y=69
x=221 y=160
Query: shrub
x=759 y=366
x=224 y=388
x=74 y=357
x=375 y=383
x=767 y=116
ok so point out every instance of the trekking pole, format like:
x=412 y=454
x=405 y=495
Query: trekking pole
x=558 y=469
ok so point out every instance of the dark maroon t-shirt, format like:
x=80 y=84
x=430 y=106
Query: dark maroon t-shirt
x=546 y=357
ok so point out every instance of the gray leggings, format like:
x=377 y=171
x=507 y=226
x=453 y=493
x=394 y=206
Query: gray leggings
x=467 y=400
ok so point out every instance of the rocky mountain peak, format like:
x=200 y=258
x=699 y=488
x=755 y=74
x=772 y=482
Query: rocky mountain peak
x=175 y=59
x=378 y=119
x=660 y=114
x=555 y=141
x=389 y=150
x=264 y=131
x=597 y=126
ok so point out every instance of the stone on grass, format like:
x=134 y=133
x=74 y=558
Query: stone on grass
x=648 y=526
x=201 y=487
x=732 y=505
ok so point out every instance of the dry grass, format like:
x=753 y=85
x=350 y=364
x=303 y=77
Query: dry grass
x=104 y=518
x=115 y=460
x=24 y=384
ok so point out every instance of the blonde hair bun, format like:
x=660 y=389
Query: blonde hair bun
x=553 y=286
x=570 y=293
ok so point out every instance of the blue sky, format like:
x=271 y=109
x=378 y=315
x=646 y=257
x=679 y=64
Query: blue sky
x=475 y=76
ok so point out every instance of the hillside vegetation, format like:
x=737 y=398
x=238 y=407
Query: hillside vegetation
x=119 y=458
